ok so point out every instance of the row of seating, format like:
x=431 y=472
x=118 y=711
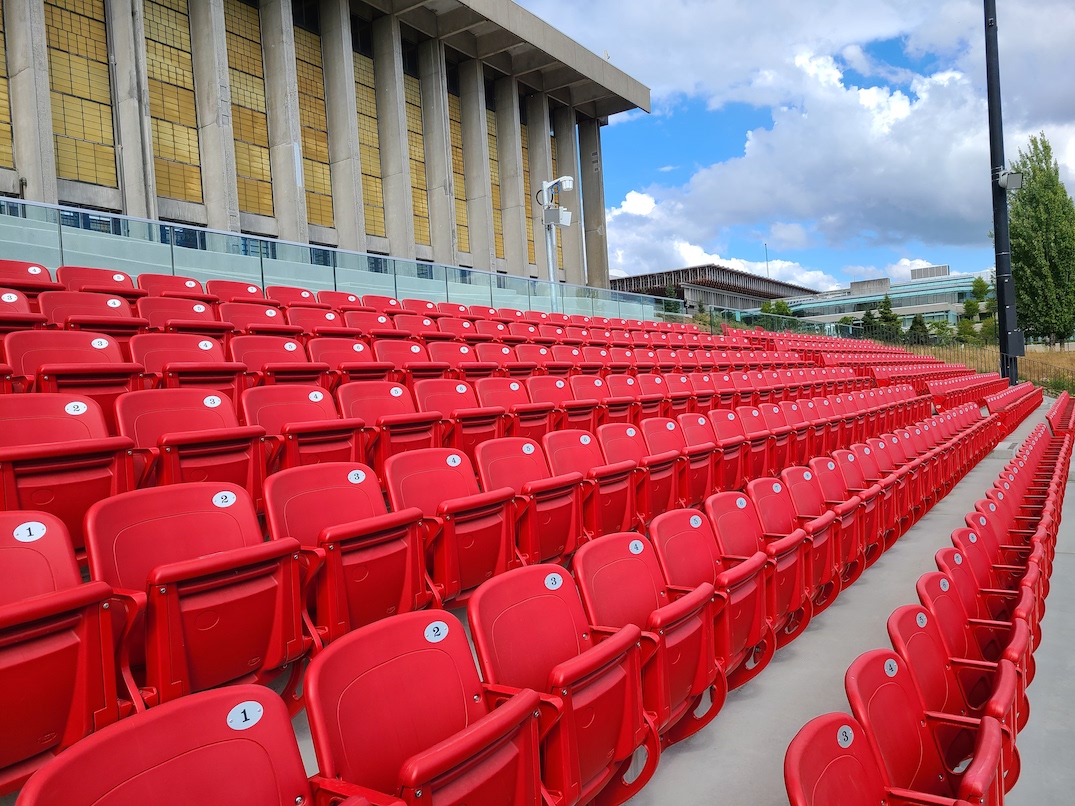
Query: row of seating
x=935 y=719
x=1014 y=404
x=917 y=375
x=976 y=388
x=199 y=600
x=1061 y=414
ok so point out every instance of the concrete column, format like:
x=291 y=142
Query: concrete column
x=285 y=128
x=130 y=102
x=343 y=148
x=567 y=160
x=538 y=127
x=392 y=131
x=212 y=94
x=592 y=177
x=31 y=101
x=512 y=193
x=438 y=140
x=476 y=163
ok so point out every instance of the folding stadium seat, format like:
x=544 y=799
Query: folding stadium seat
x=302 y=423
x=548 y=508
x=738 y=529
x=780 y=518
x=465 y=422
x=185 y=751
x=702 y=390
x=290 y=295
x=173 y=360
x=957 y=687
x=451 y=744
x=393 y=422
x=874 y=517
x=828 y=422
x=420 y=327
x=207 y=600
x=276 y=359
x=101 y=313
x=1008 y=563
x=745 y=391
x=348 y=360
x=480 y=312
x=613 y=409
x=889 y=458
x=372 y=562
x=57 y=666
x=510 y=314
x=573 y=355
x=727 y=394
x=15 y=313
x=497 y=330
x=531 y=333
x=174 y=285
x=698 y=470
x=688 y=553
x=411 y=361
x=524 y=419
x=237 y=291
x=658 y=476
x=454 y=309
x=609 y=364
x=372 y=325
x=783 y=441
x=461 y=329
x=620 y=583
x=463 y=360
x=28 y=278
x=382 y=304
x=184 y=435
x=805 y=444
x=678 y=398
x=100 y=281
x=422 y=307
x=920 y=750
x=610 y=504
x=818 y=489
x=921 y=471
x=889 y=515
x=319 y=322
x=645 y=360
x=504 y=357
x=176 y=315
x=570 y=412
x=257 y=318
x=469 y=534
x=341 y=301
x=596 y=687
x=624 y=357
x=760 y=459
x=558 y=334
x=832 y=761
x=541 y=356
x=728 y=445
x=653 y=403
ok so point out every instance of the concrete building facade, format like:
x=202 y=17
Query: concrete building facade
x=705 y=287
x=419 y=129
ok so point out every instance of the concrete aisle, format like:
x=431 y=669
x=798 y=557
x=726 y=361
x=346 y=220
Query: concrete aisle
x=739 y=759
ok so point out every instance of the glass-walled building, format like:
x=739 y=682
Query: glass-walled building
x=422 y=135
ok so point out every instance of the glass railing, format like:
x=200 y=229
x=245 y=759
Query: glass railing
x=55 y=236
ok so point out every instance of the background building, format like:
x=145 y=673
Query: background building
x=413 y=128
x=710 y=286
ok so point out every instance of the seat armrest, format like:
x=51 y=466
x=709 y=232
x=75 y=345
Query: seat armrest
x=597 y=657
x=683 y=608
x=55 y=450
x=180 y=438
x=321 y=426
x=455 y=506
x=552 y=484
x=223 y=561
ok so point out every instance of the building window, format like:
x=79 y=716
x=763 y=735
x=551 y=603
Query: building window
x=246 y=71
x=311 y=84
x=7 y=159
x=556 y=175
x=171 y=100
x=494 y=169
x=455 y=131
x=524 y=135
x=81 y=91
x=368 y=138
x=412 y=91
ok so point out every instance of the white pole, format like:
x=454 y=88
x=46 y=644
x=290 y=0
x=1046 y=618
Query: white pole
x=550 y=241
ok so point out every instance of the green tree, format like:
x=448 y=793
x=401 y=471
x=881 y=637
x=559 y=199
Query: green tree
x=965 y=332
x=1043 y=245
x=988 y=330
x=942 y=331
x=869 y=325
x=767 y=307
x=781 y=308
x=918 y=333
x=979 y=289
x=888 y=320
x=971 y=309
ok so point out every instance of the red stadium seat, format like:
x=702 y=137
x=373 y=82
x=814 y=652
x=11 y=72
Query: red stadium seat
x=647 y=404
x=293 y=295
x=102 y=313
x=183 y=750
x=698 y=468
x=541 y=356
x=236 y=291
x=596 y=687
x=29 y=278
x=175 y=315
x=548 y=508
x=469 y=533
x=466 y=424
x=609 y=505
x=348 y=360
x=173 y=360
x=319 y=322
x=15 y=312
x=621 y=583
x=524 y=419
x=583 y=414
x=505 y=358
x=372 y=560
x=613 y=409
x=412 y=678
x=102 y=281
x=658 y=475
x=173 y=285
x=393 y=422
x=277 y=359
x=208 y=601
x=738 y=451
x=411 y=361
x=257 y=318
x=57 y=666
x=872 y=516
x=463 y=360
x=56 y=455
x=420 y=327
x=341 y=301
x=303 y=423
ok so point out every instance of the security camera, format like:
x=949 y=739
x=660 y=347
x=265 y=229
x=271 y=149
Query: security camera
x=566 y=183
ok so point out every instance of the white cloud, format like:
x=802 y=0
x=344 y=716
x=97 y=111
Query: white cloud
x=668 y=168
x=638 y=204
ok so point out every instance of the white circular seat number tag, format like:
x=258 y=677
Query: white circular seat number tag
x=845 y=736
x=585 y=439
x=245 y=715
x=461 y=388
x=397 y=391
x=29 y=532
x=454 y=460
x=631 y=432
x=199 y=308
x=291 y=346
x=741 y=503
x=554 y=581
x=316 y=397
x=270 y=312
x=190 y=284
x=356 y=477
x=921 y=620
x=528 y=448
x=99 y=344
x=113 y=303
x=211 y=402
x=514 y=386
x=436 y=632
x=636 y=546
x=224 y=499
x=9 y=297
x=891 y=668
x=76 y=407
x=670 y=426
x=119 y=278
x=696 y=521
x=358 y=348
x=205 y=345
x=252 y=289
x=415 y=348
x=34 y=270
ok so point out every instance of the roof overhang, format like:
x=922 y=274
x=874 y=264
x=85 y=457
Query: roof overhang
x=513 y=41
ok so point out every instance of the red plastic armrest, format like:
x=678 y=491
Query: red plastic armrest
x=778 y=545
x=614 y=469
x=597 y=657
x=206 y=367
x=355 y=795
x=481 y=413
x=368 y=527
x=683 y=608
x=455 y=506
x=89 y=370
x=54 y=604
x=54 y=450
x=223 y=561
x=322 y=426
x=552 y=484
x=181 y=438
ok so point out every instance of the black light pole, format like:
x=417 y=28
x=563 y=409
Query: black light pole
x=1011 y=343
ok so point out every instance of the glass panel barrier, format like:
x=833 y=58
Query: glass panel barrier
x=365 y=274
x=416 y=280
x=511 y=292
x=216 y=256
x=115 y=242
x=299 y=265
x=468 y=287
x=30 y=233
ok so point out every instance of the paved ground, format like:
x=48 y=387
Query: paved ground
x=738 y=759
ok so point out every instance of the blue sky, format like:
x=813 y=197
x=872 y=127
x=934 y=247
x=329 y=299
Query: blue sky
x=849 y=136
